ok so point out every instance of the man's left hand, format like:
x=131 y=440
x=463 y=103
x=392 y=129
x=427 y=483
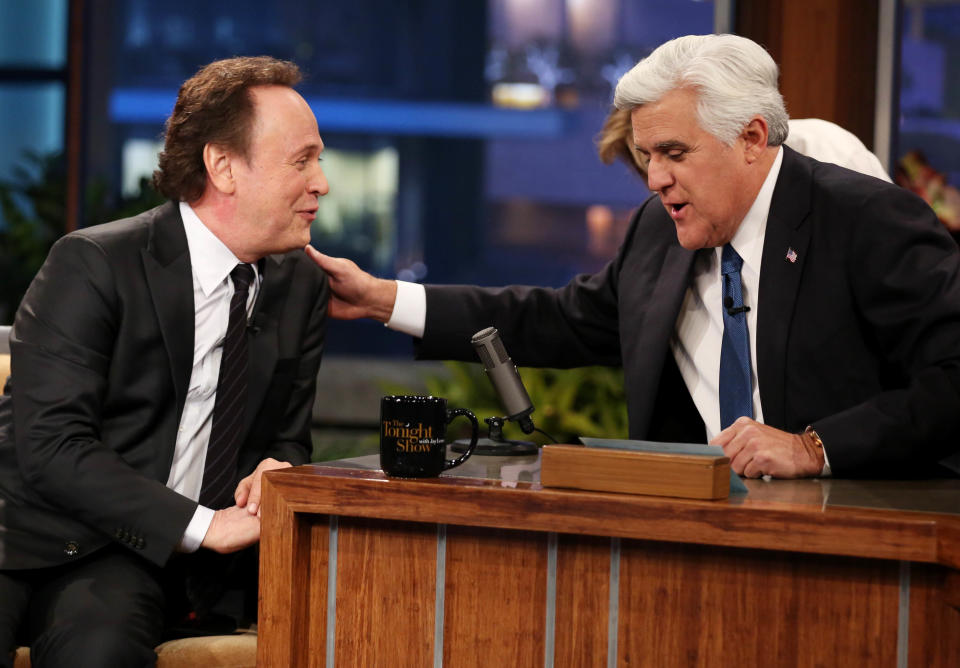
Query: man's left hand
x=248 y=491
x=756 y=450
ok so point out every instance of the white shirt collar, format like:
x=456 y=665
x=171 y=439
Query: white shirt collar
x=218 y=260
x=748 y=240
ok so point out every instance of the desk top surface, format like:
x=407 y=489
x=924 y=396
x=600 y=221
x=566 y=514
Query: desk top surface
x=902 y=520
x=927 y=496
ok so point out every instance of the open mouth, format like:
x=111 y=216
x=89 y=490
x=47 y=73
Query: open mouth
x=675 y=209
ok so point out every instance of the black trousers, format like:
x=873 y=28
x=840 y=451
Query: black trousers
x=113 y=607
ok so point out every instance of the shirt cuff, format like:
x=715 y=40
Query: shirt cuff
x=825 y=473
x=409 y=314
x=196 y=530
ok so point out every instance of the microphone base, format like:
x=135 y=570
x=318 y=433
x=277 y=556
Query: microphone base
x=500 y=448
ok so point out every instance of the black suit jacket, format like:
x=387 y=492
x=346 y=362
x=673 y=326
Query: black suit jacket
x=102 y=352
x=860 y=336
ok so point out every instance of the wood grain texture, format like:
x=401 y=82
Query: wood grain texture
x=386 y=591
x=313 y=579
x=735 y=581
x=720 y=607
x=765 y=522
x=495 y=598
x=634 y=472
x=583 y=601
x=293 y=557
x=948 y=535
x=827 y=53
x=934 y=621
x=951 y=589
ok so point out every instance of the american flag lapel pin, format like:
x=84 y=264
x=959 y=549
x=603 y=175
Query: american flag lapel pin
x=791 y=255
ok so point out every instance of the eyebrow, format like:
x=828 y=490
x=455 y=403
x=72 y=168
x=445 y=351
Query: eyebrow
x=308 y=148
x=666 y=146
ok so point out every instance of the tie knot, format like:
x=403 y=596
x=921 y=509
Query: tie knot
x=242 y=276
x=730 y=261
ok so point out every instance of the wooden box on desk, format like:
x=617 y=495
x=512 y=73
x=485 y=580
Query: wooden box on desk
x=635 y=472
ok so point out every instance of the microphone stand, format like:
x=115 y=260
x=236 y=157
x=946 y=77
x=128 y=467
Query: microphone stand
x=495 y=444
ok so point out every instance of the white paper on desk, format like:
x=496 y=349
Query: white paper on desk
x=736 y=484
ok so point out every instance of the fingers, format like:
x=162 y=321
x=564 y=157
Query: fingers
x=252 y=500
x=242 y=492
x=733 y=439
x=315 y=255
x=756 y=467
x=334 y=266
x=232 y=529
x=756 y=450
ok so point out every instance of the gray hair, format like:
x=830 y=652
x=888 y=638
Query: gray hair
x=735 y=79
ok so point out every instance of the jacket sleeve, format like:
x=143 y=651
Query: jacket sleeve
x=575 y=325
x=61 y=346
x=904 y=273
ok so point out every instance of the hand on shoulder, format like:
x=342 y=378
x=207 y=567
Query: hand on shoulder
x=355 y=293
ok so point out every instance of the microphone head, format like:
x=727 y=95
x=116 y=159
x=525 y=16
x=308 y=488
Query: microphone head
x=503 y=374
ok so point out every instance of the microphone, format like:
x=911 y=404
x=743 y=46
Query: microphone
x=503 y=374
x=731 y=310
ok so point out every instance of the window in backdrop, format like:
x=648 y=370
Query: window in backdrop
x=460 y=136
x=928 y=147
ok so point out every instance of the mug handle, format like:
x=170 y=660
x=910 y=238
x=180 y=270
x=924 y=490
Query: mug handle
x=451 y=415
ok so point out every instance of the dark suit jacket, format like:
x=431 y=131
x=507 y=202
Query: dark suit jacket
x=860 y=336
x=102 y=352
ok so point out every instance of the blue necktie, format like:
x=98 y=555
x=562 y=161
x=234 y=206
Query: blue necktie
x=736 y=397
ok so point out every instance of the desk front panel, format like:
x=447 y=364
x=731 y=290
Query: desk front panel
x=410 y=594
x=348 y=578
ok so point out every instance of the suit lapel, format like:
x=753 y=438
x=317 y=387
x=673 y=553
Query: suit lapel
x=654 y=332
x=166 y=263
x=785 y=247
x=263 y=334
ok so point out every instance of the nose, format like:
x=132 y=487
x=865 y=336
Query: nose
x=317 y=183
x=659 y=175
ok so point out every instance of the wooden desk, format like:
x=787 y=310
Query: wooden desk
x=491 y=569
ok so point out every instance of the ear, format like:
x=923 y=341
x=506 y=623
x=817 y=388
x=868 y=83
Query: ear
x=219 y=165
x=754 y=138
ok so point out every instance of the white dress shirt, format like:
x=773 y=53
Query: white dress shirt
x=699 y=330
x=211 y=263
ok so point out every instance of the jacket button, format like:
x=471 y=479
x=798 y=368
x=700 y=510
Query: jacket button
x=71 y=549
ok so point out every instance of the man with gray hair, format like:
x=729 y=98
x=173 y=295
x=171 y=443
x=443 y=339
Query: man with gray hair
x=802 y=316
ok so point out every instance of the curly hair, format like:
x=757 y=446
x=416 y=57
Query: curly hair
x=214 y=106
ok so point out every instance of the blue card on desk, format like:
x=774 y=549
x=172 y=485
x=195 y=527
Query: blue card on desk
x=736 y=484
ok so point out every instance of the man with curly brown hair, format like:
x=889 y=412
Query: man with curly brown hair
x=161 y=364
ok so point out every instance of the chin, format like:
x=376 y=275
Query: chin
x=692 y=242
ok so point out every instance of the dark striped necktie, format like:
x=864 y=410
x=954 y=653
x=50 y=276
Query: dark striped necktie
x=220 y=468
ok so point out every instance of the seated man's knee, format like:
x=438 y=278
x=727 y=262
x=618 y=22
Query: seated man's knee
x=94 y=644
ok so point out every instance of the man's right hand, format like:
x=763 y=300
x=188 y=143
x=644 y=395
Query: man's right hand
x=356 y=294
x=232 y=529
